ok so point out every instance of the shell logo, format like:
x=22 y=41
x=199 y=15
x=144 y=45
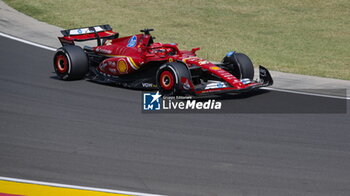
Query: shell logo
x=214 y=68
x=122 y=66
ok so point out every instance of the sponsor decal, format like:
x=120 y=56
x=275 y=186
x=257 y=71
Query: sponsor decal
x=149 y=85
x=112 y=67
x=202 y=62
x=245 y=81
x=103 y=66
x=190 y=59
x=215 y=85
x=122 y=66
x=230 y=53
x=108 y=42
x=151 y=101
x=214 y=68
x=132 y=41
x=106 y=51
x=171 y=60
x=84 y=31
x=112 y=70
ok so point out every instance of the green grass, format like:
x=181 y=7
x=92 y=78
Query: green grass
x=309 y=37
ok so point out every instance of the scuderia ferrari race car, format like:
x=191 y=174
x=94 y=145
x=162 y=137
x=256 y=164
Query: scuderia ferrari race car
x=139 y=62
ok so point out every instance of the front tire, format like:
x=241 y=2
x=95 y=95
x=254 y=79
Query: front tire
x=239 y=65
x=171 y=77
x=70 y=63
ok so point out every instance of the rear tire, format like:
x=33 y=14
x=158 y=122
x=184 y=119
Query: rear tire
x=70 y=63
x=239 y=65
x=170 y=77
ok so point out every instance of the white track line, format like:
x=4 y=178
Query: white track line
x=75 y=187
x=27 y=42
x=268 y=88
x=306 y=93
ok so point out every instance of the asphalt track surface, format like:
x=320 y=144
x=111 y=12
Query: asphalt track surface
x=83 y=133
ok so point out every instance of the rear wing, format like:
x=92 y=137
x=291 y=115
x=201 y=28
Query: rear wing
x=87 y=33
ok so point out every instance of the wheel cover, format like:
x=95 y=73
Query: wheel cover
x=167 y=80
x=61 y=63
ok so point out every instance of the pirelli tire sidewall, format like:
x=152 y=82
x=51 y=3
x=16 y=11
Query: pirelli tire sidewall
x=239 y=65
x=169 y=78
x=70 y=63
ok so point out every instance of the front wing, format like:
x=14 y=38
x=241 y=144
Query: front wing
x=265 y=79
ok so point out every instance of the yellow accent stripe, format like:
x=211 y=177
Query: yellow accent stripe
x=25 y=189
x=112 y=55
x=128 y=57
x=132 y=61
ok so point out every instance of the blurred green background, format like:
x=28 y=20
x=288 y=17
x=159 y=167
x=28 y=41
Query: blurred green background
x=310 y=37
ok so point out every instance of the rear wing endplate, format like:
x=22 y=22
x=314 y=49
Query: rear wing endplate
x=87 y=33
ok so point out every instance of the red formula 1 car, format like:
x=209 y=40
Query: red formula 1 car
x=139 y=62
